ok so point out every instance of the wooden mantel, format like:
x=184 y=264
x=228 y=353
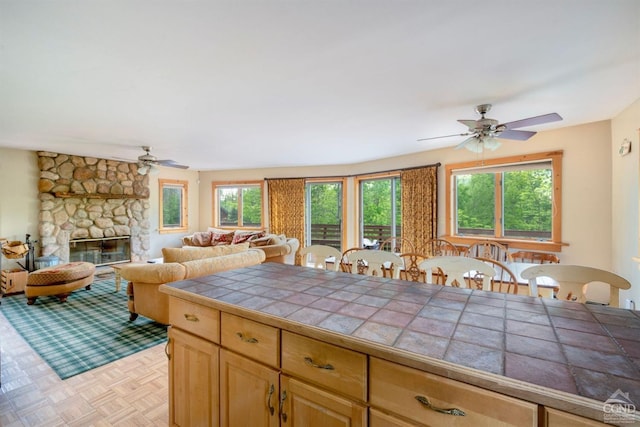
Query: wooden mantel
x=97 y=195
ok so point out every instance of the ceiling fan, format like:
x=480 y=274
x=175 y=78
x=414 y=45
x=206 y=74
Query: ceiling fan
x=148 y=162
x=484 y=131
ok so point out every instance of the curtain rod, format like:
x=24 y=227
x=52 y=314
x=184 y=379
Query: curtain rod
x=369 y=173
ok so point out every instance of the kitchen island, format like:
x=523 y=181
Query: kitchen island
x=391 y=352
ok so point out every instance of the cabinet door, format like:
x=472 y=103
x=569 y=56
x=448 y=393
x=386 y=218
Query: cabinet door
x=303 y=405
x=248 y=392
x=193 y=380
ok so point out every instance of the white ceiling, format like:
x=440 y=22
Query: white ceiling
x=264 y=83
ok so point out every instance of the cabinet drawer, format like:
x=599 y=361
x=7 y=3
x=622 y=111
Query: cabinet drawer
x=396 y=388
x=252 y=339
x=195 y=318
x=555 y=418
x=333 y=367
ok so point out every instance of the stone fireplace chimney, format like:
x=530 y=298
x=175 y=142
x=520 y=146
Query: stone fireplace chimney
x=86 y=197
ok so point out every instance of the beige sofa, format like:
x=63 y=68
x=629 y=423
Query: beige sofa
x=276 y=247
x=180 y=264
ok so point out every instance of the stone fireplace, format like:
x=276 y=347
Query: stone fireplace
x=85 y=198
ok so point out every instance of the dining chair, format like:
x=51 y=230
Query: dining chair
x=438 y=247
x=318 y=255
x=375 y=261
x=345 y=264
x=504 y=281
x=574 y=281
x=458 y=270
x=489 y=249
x=535 y=257
x=410 y=270
x=397 y=245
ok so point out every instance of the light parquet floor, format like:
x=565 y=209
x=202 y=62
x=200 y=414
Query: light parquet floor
x=132 y=391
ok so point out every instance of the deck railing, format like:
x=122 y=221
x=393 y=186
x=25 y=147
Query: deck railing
x=331 y=235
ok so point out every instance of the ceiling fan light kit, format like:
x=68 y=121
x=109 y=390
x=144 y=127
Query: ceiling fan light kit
x=148 y=163
x=484 y=131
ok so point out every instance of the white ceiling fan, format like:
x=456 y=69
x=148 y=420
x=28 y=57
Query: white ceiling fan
x=484 y=132
x=147 y=162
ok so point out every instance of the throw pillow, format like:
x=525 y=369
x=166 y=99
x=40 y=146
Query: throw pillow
x=222 y=238
x=201 y=238
x=262 y=241
x=245 y=236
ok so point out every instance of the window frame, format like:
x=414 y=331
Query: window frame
x=358 y=198
x=554 y=245
x=343 y=184
x=238 y=185
x=184 y=223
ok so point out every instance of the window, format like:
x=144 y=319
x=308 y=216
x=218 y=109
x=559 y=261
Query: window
x=173 y=205
x=324 y=212
x=380 y=208
x=516 y=200
x=238 y=205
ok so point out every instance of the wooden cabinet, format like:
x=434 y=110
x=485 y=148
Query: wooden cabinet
x=249 y=392
x=432 y=400
x=304 y=405
x=228 y=370
x=193 y=380
x=555 y=418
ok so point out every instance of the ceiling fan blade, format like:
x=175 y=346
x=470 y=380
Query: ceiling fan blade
x=531 y=121
x=171 y=164
x=518 y=135
x=445 y=136
x=471 y=124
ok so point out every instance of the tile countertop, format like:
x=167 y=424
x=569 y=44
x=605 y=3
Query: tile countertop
x=584 y=352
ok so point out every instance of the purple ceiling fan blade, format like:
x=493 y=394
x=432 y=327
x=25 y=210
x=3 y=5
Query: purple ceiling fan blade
x=531 y=121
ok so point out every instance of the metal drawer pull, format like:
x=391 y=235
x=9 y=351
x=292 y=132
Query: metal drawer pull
x=450 y=411
x=272 y=389
x=310 y=362
x=191 y=317
x=249 y=340
x=166 y=350
x=283 y=415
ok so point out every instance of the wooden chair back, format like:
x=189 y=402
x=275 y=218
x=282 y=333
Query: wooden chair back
x=345 y=264
x=375 y=261
x=535 y=257
x=438 y=247
x=572 y=280
x=489 y=249
x=459 y=270
x=318 y=255
x=397 y=245
x=504 y=281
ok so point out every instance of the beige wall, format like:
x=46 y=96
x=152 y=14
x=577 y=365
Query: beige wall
x=586 y=185
x=600 y=189
x=19 y=205
x=171 y=240
x=624 y=200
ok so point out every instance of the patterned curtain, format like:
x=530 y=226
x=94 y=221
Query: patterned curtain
x=420 y=204
x=286 y=208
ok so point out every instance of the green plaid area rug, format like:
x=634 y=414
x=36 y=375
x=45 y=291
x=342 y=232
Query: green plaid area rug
x=91 y=329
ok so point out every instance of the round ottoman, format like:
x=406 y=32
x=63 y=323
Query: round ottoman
x=59 y=280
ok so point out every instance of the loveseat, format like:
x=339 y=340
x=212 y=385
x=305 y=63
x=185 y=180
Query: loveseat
x=276 y=247
x=180 y=264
